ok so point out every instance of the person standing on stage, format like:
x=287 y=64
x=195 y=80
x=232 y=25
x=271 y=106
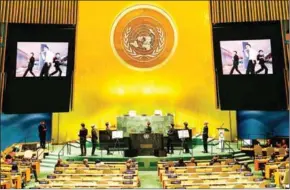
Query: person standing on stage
x=188 y=140
x=171 y=136
x=42 y=134
x=205 y=136
x=30 y=65
x=235 y=64
x=83 y=139
x=109 y=136
x=251 y=54
x=94 y=139
x=148 y=128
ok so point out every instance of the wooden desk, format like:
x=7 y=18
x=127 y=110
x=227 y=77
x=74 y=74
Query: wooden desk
x=269 y=169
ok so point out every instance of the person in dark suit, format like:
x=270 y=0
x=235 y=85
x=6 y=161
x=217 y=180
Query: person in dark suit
x=108 y=136
x=30 y=65
x=94 y=139
x=148 y=128
x=171 y=135
x=235 y=63
x=57 y=63
x=83 y=139
x=261 y=59
x=187 y=141
x=42 y=134
x=205 y=136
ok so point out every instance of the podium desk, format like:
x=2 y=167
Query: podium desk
x=146 y=143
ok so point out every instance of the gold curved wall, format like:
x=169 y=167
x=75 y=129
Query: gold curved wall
x=104 y=88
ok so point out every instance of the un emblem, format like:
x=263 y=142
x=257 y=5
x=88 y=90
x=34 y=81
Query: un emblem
x=143 y=36
x=146 y=136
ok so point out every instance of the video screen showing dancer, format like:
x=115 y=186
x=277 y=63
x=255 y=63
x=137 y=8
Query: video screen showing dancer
x=41 y=59
x=246 y=57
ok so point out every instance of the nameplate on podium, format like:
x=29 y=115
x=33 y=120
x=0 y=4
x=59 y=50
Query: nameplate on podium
x=146 y=145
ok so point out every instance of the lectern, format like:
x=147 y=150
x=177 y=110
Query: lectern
x=221 y=132
x=146 y=143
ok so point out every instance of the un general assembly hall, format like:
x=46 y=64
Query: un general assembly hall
x=144 y=94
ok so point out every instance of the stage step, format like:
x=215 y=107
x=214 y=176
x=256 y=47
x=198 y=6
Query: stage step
x=239 y=154
x=51 y=157
x=49 y=161
x=47 y=165
x=243 y=158
x=246 y=161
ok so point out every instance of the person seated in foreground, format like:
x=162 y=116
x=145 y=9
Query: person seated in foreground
x=98 y=163
x=131 y=163
x=286 y=155
x=180 y=163
x=8 y=159
x=14 y=167
x=245 y=167
x=86 y=163
x=58 y=163
x=268 y=143
x=283 y=144
x=214 y=160
x=272 y=158
x=192 y=162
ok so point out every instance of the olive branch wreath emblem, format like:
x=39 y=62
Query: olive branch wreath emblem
x=133 y=53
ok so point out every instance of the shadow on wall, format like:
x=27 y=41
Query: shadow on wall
x=17 y=128
x=262 y=124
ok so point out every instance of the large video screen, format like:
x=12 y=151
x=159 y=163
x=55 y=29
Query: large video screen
x=250 y=66
x=42 y=59
x=246 y=57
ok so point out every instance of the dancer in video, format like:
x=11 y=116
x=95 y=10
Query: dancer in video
x=235 y=63
x=261 y=59
x=47 y=57
x=57 y=63
x=251 y=54
x=30 y=65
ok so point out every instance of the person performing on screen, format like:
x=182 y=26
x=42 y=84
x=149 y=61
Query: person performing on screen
x=261 y=59
x=83 y=139
x=187 y=140
x=171 y=136
x=30 y=65
x=148 y=128
x=251 y=54
x=57 y=63
x=235 y=63
x=47 y=57
x=94 y=139
x=205 y=136
x=108 y=134
x=42 y=134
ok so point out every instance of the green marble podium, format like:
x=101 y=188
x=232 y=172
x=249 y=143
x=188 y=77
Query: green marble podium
x=137 y=124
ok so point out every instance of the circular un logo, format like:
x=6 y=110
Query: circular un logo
x=143 y=36
x=146 y=136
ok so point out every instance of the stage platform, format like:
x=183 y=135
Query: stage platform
x=148 y=162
